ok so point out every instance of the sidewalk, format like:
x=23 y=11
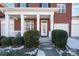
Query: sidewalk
x=73 y=44
x=46 y=48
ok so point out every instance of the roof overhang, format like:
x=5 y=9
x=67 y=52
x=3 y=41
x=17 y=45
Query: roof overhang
x=29 y=10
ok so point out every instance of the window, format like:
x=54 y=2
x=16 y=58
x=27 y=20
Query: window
x=44 y=5
x=29 y=25
x=61 y=8
x=23 y=4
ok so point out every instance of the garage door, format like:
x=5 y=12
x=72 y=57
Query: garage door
x=62 y=26
x=75 y=30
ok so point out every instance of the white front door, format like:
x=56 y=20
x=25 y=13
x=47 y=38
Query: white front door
x=43 y=27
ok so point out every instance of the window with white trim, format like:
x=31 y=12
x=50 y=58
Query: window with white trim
x=29 y=25
x=61 y=8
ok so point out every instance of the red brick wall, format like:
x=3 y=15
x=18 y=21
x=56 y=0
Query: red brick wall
x=17 y=24
x=53 y=5
x=64 y=17
x=34 y=4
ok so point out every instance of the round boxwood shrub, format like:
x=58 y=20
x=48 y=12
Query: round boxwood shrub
x=6 y=41
x=31 y=38
x=59 y=38
x=1 y=38
x=17 y=41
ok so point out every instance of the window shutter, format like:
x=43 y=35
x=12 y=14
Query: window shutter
x=17 y=4
x=40 y=4
x=27 y=4
x=49 y=4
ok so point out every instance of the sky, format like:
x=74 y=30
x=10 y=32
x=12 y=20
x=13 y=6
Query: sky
x=75 y=8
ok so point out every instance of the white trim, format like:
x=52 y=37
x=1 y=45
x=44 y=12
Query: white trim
x=22 y=24
x=51 y=23
x=29 y=11
x=44 y=31
x=38 y=22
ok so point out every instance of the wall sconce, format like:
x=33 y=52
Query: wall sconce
x=2 y=10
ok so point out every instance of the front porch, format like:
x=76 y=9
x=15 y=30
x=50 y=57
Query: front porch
x=19 y=20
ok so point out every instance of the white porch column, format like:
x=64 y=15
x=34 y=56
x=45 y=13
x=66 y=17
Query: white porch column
x=7 y=25
x=22 y=24
x=38 y=22
x=51 y=23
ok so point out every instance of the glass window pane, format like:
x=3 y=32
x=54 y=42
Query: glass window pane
x=44 y=4
x=22 y=4
x=29 y=24
x=62 y=8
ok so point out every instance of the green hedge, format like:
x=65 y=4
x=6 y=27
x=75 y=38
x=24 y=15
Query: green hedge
x=1 y=38
x=17 y=41
x=6 y=41
x=59 y=38
x=31 y=38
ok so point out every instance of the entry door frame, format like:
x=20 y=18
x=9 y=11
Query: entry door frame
x=47 y=26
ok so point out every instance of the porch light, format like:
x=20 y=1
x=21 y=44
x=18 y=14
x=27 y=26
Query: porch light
x=1 y=10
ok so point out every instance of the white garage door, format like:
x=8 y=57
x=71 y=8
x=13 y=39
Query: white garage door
x=75 y=30
x=62 y=26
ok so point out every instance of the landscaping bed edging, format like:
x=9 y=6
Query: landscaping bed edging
x=66 y=52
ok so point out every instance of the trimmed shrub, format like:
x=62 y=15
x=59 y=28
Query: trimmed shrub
x=31 y=38
x=17 y=41
x=6 y=41
x=22 y=38
x=59 y=38
x=1 y=38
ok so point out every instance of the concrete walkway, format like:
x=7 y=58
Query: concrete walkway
x=73 y=44
x=47 y=47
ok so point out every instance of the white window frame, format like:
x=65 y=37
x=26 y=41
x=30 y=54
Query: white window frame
x=30 y=22
x=61 y=8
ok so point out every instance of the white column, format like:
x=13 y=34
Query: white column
x=38 y=22
x=22 y=24
x=7 y=25
x=51 y=23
